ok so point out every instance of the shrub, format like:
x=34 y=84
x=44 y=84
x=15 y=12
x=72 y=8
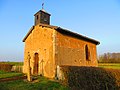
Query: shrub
x=5 y=67
x=91 y=78
x=116 y=74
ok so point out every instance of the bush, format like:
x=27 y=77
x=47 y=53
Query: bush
x=91 y=78
x=5 y=67
x=116 y=74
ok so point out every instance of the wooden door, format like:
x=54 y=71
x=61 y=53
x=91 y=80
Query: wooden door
x=36 y=60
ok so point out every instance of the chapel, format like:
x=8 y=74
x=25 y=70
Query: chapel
x=50 y=47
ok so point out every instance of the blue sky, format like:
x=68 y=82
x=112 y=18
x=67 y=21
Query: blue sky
x=98 y=19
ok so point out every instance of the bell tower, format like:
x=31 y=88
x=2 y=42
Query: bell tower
x=42 y=17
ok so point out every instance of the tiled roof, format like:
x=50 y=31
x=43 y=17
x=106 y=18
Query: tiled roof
x=66 y=32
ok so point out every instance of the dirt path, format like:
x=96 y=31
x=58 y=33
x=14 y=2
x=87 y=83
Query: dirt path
x=12 y=78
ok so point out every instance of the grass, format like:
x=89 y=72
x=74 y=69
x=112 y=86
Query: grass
x=14 y=63
x=9 y=74
x=41 y=84
x=110 y=65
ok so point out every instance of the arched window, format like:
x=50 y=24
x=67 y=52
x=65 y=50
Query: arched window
x=87 y=53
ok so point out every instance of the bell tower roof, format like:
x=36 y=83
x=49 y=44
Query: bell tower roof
x=42 y=17
x=42 y=10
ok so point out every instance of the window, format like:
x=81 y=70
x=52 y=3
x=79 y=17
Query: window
x=87 y=53
x=37 y=17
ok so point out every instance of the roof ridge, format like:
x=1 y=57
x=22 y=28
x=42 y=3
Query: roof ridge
x=64 y=31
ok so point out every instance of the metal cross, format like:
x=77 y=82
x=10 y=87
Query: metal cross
x=42 y=5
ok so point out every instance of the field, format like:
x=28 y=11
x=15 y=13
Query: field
x=109 y=65
x=14 y=63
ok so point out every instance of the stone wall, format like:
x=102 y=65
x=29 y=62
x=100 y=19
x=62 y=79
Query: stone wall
x=17 y=69
x=56 y=49
x=70 y=51
x=40 y=41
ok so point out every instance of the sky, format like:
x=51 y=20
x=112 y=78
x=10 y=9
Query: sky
x=97 y=19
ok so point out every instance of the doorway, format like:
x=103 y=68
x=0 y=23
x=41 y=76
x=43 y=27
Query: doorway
x=36 y=62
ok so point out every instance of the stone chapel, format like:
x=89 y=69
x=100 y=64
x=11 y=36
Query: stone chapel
x=51 y=47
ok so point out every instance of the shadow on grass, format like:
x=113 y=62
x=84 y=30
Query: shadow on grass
x=41 y=84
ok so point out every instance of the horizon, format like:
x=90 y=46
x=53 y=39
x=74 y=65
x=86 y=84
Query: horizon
x=99 y=20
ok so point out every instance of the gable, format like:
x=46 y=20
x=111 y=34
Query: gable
x=32 y=28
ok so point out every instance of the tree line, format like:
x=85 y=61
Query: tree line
x=109 y=58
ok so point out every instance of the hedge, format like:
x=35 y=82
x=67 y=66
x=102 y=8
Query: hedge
x=5 y=67
x=91 y=78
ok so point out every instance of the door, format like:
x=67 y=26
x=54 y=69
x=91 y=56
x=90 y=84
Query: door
x=36 y=60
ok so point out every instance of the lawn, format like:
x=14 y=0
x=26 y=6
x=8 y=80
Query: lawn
x=40 y=84
x=9 y=74
x=110 y=65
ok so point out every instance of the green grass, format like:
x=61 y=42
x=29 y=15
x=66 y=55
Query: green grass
x=41 y=84
x=14 y=63
x=110 y=65
x=9 y=74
